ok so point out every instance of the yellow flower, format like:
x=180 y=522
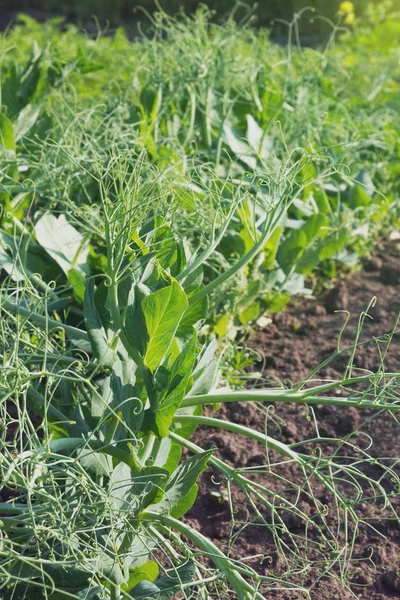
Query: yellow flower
x=350 y=18
x=346 y=8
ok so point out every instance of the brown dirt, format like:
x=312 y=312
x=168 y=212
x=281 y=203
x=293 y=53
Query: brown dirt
x=295 y=342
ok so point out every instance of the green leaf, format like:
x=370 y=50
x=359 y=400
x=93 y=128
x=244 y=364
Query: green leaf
x=276 y=303
x=313 y=225
x=140 y=544
x=134 y=492
x=168 y=455
x=270 y=248
x=148 y=571
x=222 y=325
x=135 y=323
x=148 y=98
x=96 y=462
x=148 y=485
x=365 y=180
x=63 y=242
x=77 y=281
x=164 y=243
x=239 y=147
x=321 y=200
x=26 y=120
x=195 y=312
x=109 y=566
x=186 y=430
x=120 y=488
x=250 y=313
x=308 y=261
x=62 y=576
x=359 y=197
x=309 y=174
x=7 y=140
x=100 y=397
x=96 y=333
x=206 y=370
x=333 y=246
x=20 y=87
x=101 y=304
x=193 y=282
x=21 y=260
x=173 y=580
x=291 y=248
x=126 y=396
x=91 y=593
x=144 y=591
x=186 y=503
x=181 y=482
x=163 y=311
x=257 y=138
x=297 y=241
x=179 y=378
x=10 y=265
x=167 y=586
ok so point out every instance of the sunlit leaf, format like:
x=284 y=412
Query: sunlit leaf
x=163 y=311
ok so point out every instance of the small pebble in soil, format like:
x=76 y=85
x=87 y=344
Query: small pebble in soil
x=317 y=310
x=256 y=460
x=375 y=264
x=270 y=361
x=337 y=298
x=390 y=274
x=362 y=578
x=289 y=431
x=391 y=581
x=377 y=313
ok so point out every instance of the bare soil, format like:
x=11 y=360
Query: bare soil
x=297 y=340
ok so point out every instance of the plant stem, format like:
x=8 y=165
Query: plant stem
x=55 y=358
x=269 y=228
x=215 y=241
x=13 y=508
x=244 y=590
x=283 y=396
x=69 y=445
x=241 y=430
x=115 y=592
x=115 y=312
x=111 y=428
x=303 y=461
x=43 y=322
x=52 y=410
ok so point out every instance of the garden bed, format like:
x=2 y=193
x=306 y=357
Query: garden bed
x=292 y=345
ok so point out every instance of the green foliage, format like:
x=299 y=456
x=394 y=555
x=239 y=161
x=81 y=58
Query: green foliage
x=153 y=193
x=162 y=311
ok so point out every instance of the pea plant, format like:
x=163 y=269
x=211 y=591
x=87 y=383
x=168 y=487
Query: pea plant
x=141 y=215
x=100 y=397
